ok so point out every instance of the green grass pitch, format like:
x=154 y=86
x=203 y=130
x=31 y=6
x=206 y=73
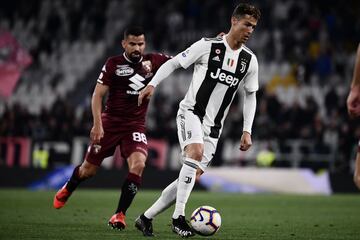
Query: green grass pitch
x=29 y=215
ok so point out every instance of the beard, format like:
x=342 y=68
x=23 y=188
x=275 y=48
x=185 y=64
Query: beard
x=135 y=56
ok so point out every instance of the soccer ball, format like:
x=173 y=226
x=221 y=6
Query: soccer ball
x=205 y=220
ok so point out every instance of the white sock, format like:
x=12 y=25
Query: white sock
x=186 y=183
x=166 y=199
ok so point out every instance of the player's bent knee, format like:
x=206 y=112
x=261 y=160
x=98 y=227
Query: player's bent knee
x=138 y=165
x=195 y=154
x=195 y=151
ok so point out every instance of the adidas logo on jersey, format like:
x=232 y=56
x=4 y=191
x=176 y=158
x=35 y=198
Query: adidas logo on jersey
x=225 y=78
x=216 y=58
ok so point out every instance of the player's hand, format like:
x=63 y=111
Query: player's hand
x=245 y=142
x=353 y=101
x=147 y=92
x=96 y=133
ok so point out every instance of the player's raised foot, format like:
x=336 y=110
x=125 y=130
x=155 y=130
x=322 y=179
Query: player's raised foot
x=117 y=221
x=144 y=225
x=181 y=227
x=61 y=197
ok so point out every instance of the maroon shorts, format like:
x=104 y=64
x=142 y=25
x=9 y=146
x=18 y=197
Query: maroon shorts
x=131 y=139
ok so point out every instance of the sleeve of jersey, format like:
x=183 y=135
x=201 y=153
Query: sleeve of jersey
x=249 y=110
x=164 y=71
x=104 y=77
x=192 y=54
x=251 y=81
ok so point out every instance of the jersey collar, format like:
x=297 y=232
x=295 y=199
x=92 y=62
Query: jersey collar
x=127 y=59
x=229 y=48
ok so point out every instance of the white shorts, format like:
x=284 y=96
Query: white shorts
x=190 y=130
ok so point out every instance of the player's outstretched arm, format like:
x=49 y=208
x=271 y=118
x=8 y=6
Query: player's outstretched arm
x=164 y=71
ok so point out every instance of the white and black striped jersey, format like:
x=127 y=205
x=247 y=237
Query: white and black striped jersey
x=218 y=71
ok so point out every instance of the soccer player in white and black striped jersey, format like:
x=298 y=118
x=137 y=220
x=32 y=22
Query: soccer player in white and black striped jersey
x=220 y=66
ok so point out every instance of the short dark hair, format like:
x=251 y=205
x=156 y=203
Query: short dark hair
x=245 y=8
x=135 y=30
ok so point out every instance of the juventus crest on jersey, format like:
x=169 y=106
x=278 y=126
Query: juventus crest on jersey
x=218 y=72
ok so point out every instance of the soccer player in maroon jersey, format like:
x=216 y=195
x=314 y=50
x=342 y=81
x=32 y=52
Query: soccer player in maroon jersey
x=353 y=106
x=122 y=122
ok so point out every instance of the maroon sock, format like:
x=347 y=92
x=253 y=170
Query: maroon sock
x=128 y=192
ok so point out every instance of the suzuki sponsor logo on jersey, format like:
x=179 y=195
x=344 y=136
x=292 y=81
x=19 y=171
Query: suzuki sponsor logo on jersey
x=227 y=79
x=136 y=84
x=124 y=70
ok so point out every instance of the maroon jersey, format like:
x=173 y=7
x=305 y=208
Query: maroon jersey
x=125 y=80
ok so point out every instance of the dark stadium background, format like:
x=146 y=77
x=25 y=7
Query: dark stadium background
x=305 y=49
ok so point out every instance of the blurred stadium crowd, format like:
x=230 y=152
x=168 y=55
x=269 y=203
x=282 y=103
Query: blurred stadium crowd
x=305 y=49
